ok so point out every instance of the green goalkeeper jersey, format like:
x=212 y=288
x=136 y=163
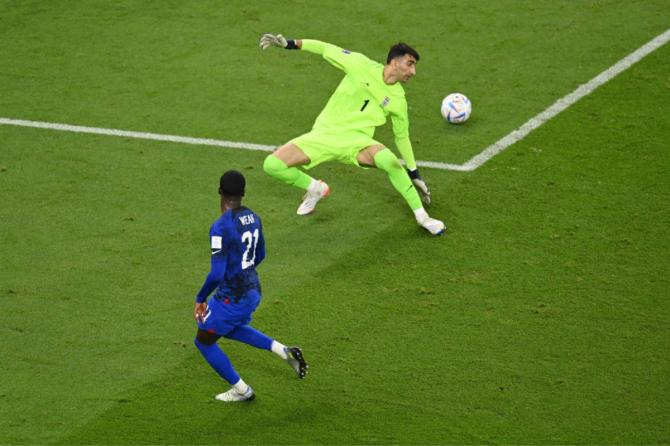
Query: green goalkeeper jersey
x=362 y=101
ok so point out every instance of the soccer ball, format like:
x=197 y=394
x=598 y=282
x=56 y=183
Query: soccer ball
x=456 y=108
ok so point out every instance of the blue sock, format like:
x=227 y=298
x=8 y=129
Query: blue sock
x=219 y=361
x=249 y=335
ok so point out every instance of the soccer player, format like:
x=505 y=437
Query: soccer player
x=345 y=128
x=238 y=247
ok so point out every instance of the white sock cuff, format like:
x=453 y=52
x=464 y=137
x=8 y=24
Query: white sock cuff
x=241 y=387
x=314 y=186
x=420 y=214
x=279 y=349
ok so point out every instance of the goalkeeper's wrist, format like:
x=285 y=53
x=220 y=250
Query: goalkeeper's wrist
x=200 y=300
x=414 y=174
x=291 y=45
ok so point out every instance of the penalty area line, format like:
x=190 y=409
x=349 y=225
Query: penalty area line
x=173 y=138
x=138 y=135
x=566 y=101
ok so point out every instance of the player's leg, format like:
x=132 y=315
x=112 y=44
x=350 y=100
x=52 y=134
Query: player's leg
x=281 y=165
x=215 y=357
x=205 y=341
x=251 y=336
x=384 y=159
x=210 y=329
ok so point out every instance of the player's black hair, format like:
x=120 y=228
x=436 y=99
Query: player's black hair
x=232 y=184
x=399 y=50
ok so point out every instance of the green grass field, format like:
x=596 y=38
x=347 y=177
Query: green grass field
x=540 y=318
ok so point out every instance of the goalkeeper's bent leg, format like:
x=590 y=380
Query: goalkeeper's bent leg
x=278 y=169
x=389 y=163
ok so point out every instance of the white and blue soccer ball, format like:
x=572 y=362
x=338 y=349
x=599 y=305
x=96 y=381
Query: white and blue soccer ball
x=456 y=108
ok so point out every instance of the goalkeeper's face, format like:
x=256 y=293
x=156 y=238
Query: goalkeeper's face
x=404 y=67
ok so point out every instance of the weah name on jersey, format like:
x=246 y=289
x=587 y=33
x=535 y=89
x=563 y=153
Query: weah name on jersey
x=247 y=219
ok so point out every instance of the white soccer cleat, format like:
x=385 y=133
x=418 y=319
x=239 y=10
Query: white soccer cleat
x=310 y=199
x=435 y=227
x=233 y=396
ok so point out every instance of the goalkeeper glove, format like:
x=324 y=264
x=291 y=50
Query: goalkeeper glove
x=268 y=40
x=420 y=185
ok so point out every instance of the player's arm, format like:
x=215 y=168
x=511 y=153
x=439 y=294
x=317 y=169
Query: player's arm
x=260 y=246
x=401 y=131
x=343 y=59
x=216 y=275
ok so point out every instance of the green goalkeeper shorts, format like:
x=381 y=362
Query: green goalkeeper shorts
x=321 y=146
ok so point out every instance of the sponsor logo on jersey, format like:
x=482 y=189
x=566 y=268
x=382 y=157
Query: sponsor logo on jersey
x=346 y=51
x=386 y=101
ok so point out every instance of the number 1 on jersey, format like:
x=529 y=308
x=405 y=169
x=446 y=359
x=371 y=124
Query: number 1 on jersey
x=365 y=104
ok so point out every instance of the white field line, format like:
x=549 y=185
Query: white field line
x=472 y=164
x=140 y=135
x=566 y=101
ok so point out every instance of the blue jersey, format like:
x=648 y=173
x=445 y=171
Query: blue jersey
x=238 y=247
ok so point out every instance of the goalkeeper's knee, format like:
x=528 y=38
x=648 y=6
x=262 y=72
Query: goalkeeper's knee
x=386 y=160
x=273 y=166
x=279 y=170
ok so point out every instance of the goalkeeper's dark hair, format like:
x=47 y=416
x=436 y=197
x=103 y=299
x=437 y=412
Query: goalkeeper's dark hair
x=232 y=184
x=399 y=50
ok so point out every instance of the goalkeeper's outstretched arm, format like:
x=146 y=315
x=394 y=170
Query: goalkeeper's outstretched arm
x=345 y=60
x=311 y=45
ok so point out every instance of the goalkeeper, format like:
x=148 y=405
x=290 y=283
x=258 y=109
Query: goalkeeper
x=344 y=129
